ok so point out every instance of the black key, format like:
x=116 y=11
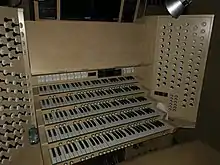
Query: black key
x=68 y=86
x=88 y=109
x=96 y=140
x=64 y=112
x=115 y=118
x=75 y=111
x=129 y=133
x=45 y=116
x=100 y=139
x=101 y=104
x=93 y=123
x=113 y=103
x=53 y=152
x=83 y=95
x=136 y=129
x=70 y=147
x=69 y=128
x=64 y=86
x=41 y=89
x=57 y=99
x=90 y=124
x=108 y=119
x=77 y=97
x=106 y=138
x=47 y=101
x=71 y=97
x=71 y=112
x=81 y=145
x=131 y=130
x=76 y=84
x=99 y=81
x=112 y=119
x=65 y=130
x=75 y=126
x=53 y=100
x=108 y=92
x=97 y=93
x=103 y=121
x=139 y=127
x=93 y=143
x=100 y=123
x=122 y=132
x=84 y=83
x=88 y=82
x=123 y=116
x=60 y=113
x=110 y=136
x=86 y=125
x=115 y=135
x=88 y=94
x=49 y=133
x=120 y=117
x=118 y=133
x=57 y=115
x=67 y=98
x=79 y=83
x=61 y=131
x=45 y=88
x=92 y=94
x=58 y=151
x=80 y=109
x=109 y=105
x=143 y=128
x=43 y=102
x=85 y=110
x=74 y=146
x=50 y=87
x=86 y=144
x=93 y=107
x=79 y=125
x=58 y=87
x=65 y=148
x=54 y=132
x=80 y=96
x=61 y=99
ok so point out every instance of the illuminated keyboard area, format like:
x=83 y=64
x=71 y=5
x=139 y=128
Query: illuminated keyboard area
x=79 y=120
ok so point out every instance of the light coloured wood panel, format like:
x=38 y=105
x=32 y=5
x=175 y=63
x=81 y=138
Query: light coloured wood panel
x=57 y=46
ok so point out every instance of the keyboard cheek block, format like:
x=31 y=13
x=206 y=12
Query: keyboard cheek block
x=85 y=119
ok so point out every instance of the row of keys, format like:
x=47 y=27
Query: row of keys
x=94 y=124
x=91 y=95
x=105 y=140
x=58 y=88
x=60 y=115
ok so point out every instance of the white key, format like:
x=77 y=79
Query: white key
x=66 y=134
x=61 y=134
x=84 y=130
x=46 y=121
x=66 y=152
x=58 y=137
x=83 y=151
x=79 y=152
x=48 y=137
x=71 y=154
x=75 y=133
x=58 y=157
x=53 y=159
x=63 y=153
x=55 y=135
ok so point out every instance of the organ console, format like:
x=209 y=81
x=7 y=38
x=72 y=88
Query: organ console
x=92 y=89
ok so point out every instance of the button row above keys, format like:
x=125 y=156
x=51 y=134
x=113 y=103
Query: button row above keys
x=57 y=88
